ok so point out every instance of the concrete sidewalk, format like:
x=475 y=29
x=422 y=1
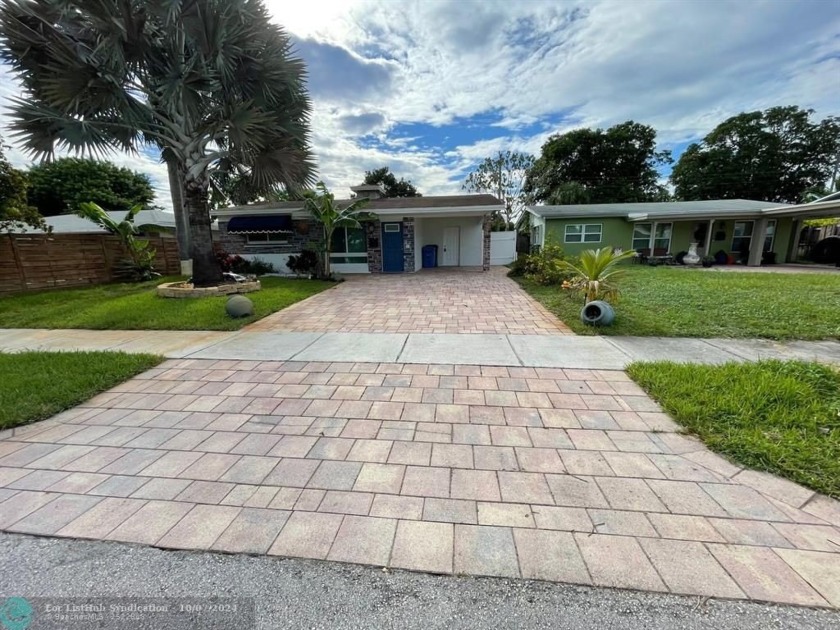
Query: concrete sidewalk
x=538 y=351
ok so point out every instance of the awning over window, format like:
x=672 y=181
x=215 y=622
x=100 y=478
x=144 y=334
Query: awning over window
x=281 y=223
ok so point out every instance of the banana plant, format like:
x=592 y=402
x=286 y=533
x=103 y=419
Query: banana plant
x=332 y=216
x=140 y=252
x=596 y=272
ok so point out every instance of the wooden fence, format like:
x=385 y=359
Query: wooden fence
x=30 y=262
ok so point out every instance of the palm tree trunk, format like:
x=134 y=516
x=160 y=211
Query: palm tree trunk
x=327 y=249
x=206 y=269
x=182 y=224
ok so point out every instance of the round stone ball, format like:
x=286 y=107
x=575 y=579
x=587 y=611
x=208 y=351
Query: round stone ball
x=239 y=306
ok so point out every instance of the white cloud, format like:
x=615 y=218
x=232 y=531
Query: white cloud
x=530 y=69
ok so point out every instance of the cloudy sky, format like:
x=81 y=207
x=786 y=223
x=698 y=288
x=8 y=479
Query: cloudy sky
x=430 y=87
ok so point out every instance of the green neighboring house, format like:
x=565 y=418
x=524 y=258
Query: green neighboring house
x=744 y=230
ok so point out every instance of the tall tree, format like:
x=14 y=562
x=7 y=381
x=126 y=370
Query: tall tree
x=60 y=186
x=212 y=83
x=15 y=212
x=615 y=165
x=393 y=186
x=776 y=155
x=503 y=175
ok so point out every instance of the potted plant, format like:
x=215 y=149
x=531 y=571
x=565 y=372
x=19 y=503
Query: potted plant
x=595 y=276
x=708 y=261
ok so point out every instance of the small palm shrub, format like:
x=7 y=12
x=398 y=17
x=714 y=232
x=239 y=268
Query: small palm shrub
x=595 y=274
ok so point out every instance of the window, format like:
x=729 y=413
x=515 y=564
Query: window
x=741 y=236
x=348 y=246
x=266 y=238
x=661 y=237
x=641 y=236
x=770 y=236
x=583 y=233
x=392 y=227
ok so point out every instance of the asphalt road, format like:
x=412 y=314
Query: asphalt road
x=282 y=593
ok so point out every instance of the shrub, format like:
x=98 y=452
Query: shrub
x=228 y=261
x=303 y=264
x=254 y=267
x=236 y=264
x=544 y=265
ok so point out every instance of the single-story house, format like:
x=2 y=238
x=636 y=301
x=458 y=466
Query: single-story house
x=740 y=228
x=392 y=242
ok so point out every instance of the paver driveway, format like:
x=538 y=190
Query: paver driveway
x=563 y=475
x=429 y=301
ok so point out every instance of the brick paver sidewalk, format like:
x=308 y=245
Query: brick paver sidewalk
x=429 y=301
x=562 y=475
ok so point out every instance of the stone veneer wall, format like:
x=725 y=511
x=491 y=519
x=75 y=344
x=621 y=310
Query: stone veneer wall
x=307 y=235
x=485 y=258
x=408 y=244
x=373 y=230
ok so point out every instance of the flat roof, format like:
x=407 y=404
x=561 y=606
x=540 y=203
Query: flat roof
x=654 y=209
x=435 y=203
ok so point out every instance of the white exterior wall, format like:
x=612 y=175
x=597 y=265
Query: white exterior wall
x=278 y=260
x=502 y=248
x=471 y=241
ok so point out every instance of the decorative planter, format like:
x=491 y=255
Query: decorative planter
x=597 y=313
x=692 y=257
x=184 y=290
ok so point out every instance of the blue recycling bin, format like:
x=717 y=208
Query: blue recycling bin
x=429 y=256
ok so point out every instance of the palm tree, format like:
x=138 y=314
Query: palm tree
x=212 y=84
x=596 y=273
x=333 y=216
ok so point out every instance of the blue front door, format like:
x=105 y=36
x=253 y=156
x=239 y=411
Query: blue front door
x=392 y=248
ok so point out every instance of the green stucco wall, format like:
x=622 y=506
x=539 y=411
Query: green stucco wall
x=617 y=232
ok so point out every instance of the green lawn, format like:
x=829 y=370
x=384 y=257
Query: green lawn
x=137 y=307
x=679 y=302
x=37 y=385
x=780 y=417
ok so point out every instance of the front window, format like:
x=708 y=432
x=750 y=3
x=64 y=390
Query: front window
x=349 y=245
x=266 y=238
x=662 y=238
x=770 y=236
x=741 y=236
x=641 y=236
x=583 y=233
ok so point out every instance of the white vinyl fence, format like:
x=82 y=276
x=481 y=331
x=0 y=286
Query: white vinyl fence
x=502 y=248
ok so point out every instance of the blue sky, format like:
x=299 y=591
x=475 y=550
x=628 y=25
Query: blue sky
x=432 y=87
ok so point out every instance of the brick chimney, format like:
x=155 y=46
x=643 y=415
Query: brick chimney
x=369 y=191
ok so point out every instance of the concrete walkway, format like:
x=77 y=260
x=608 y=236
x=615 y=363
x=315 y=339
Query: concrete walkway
x=558 y=351
x=543 y=473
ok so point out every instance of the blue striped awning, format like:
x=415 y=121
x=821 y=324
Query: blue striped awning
x=260 y=224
